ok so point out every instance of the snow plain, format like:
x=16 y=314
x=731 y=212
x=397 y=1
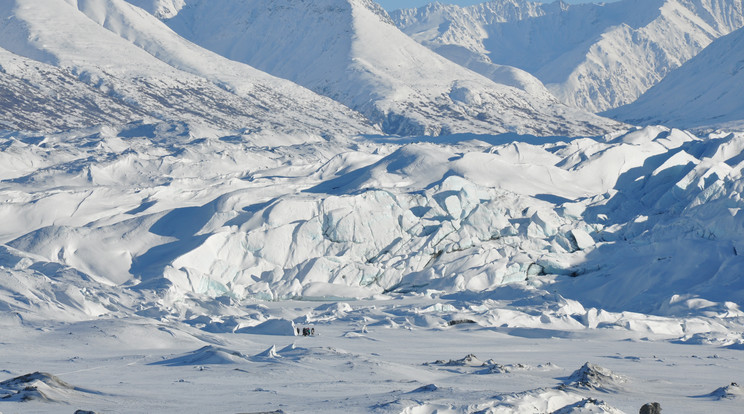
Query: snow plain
x=159 y=255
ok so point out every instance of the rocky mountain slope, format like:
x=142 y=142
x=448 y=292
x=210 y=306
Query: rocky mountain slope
x=105 y=61
x=593 y=56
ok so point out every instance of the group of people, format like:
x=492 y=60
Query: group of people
x=306 y=331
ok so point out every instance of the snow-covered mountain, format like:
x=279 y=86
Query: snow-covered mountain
x=38 y=96
x=349 y=50
x=73 y=64
x=594 y=56
x=706 y=91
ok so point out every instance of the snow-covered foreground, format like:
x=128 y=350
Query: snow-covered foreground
x=165 y=267
x=386 y=356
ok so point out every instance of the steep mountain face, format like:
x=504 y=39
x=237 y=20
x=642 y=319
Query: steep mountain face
x=349 y=50
x=593 y=56
x=705 y=91
x=70 y=64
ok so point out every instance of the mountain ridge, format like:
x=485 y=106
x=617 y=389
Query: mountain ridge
x=593 y=56
x=705 y=92
x=360 y=59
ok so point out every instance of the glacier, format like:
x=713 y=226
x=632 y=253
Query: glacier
x=360 y=217
x=160 y=240
x=291 y=206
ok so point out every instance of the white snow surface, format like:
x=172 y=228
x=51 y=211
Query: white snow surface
x=350 y=50
x=593 y=56
x=705 y=92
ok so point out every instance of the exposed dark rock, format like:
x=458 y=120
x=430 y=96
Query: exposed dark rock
x=595 y=377
x=459 y=321
x=728 y=392
x=34 y=386
x=651 y=408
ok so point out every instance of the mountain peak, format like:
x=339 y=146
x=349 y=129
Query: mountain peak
x=703 y=92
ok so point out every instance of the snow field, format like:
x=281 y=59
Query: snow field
x=135 y=364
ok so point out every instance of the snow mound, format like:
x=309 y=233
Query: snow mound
x=539 y=400
x=469 y=360
x=37 y=386
x=591 y=376
x=207 y=355
x=270 y=327
x=494 y=368
x=487 y=367
x=588 y=406
x=729 y=392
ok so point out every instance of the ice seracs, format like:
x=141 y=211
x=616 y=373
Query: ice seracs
x=222 y=217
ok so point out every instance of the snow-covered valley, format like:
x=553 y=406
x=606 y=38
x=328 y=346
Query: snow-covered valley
x=174 y=219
